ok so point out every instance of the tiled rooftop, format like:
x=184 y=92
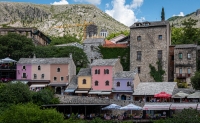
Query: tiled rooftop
x=151 y=24
x=73 y=83
x=124 y=74
x=151 y=88
x=44 y=61
x=104 y=62
x=85 y=72
x=186 y=46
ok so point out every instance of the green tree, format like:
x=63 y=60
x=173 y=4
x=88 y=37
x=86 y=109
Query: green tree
x=177 y=36
x=16 y=46
x=157 y=74
x=64 y=40
x=195 y=80
x=163 y=14
x=185 y=116
x=30 y=113
x=44 y=96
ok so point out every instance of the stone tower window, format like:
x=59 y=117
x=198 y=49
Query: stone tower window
x=160 y=55
x=139 y=38
x=189 y=56
x=139 y=55
x=139 y=69
x=180 y=55
x=160 y=37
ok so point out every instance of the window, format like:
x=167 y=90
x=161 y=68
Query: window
x=139 y=69
x=159 y=54
x=84 y=81
x=96 y=83
x=99 y=71
x=139 y=38
x=128 y=83
x=188 y=70
x=24 y=67
x=61 y=78
x=160 y=37
x=139 y=55
x=58 y=69
x=91 y=60
x=189 y=56
x=172 y=57
x=24 y=75
x=106 y=71
x=180 y=70
x=67 y=77
x=35 y=76
x=180 y=55
x=55 y=78
x=42 y=76
x=96 y=71
x=39 y=68
x=118 y=84
x=107 y=83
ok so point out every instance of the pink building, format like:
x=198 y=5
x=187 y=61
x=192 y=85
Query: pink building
x=40 y=72
x=102 y=71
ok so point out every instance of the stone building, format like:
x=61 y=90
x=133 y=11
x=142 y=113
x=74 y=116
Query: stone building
x=90 y=47
x=37 y=36
x=185 y=62
x=91 y=30
x=149 y=42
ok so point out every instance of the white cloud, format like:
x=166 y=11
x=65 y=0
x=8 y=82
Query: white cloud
x=61 y=2
x=95 y=2
x=107 y=5
x=180 y=14
x=124 y=13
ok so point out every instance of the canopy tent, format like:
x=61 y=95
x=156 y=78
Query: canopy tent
x=180 y=94
x=131 y=107
x=162 y=95
x=194 y=95
x=111 y=107
x=8 y=60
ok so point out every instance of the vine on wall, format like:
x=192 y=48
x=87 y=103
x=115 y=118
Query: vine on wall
x=157 y=74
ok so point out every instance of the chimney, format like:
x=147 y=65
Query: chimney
x=70 y=55
x=34 y=56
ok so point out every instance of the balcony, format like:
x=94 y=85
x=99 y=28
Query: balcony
x=182 y=75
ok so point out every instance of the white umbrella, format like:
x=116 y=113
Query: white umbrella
x=180 y=94
x=8 y=60
x=111 y=107
x=131 y=107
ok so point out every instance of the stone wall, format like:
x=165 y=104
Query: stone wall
x=149 y=46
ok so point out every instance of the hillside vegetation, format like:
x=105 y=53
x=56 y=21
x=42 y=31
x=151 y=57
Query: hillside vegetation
x=47 y=17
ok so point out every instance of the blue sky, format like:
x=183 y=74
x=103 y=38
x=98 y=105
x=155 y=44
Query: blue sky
x=130 y=11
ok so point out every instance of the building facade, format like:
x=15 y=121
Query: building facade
x=185 y=62
x=149 y=42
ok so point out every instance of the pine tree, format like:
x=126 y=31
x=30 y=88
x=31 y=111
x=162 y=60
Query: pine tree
x=163 y=14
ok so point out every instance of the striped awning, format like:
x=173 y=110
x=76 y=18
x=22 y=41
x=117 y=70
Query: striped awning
x=176 y=106
x=157 y=106
x=81 y=91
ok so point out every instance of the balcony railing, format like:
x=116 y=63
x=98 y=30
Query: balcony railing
x=182 y=75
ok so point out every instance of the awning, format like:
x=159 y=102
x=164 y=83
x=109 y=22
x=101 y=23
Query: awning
x=182 y=106
x=123 y=91
x=156 y=106
x=58 y=84
x=38 y=85
x=104 y=93
x=94 y=92
x=69 y=90
x=81 y=91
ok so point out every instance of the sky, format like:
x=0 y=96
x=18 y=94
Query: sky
x=130 y=11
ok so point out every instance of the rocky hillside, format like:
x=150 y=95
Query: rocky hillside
x=177 y=20
x=47 y=17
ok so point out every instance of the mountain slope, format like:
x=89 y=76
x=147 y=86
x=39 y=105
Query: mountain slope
x=47 y=17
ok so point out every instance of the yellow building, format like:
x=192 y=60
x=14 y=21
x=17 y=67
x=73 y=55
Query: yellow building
x=84 y=81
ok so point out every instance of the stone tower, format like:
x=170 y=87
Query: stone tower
x=149 y=42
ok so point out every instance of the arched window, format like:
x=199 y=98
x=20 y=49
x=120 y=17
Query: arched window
x=118 y=84
x=96 y=71
x=96 y=83
x=39 y=68
x=106 y=71
x=58 y=69
x=84 y=81
x=107 y=83
x=128 y=84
